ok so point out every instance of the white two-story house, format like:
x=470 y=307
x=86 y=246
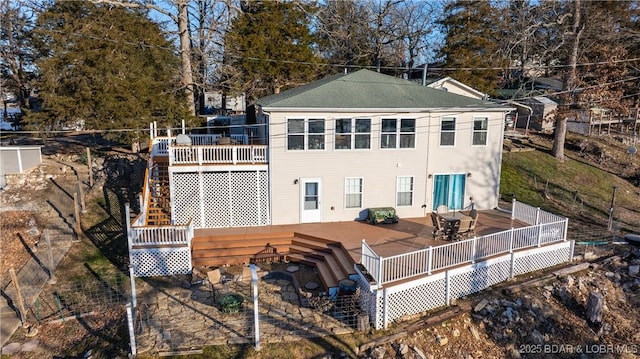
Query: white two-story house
x=360 y=140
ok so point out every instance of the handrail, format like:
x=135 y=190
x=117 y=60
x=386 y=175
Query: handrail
x=217 y=154
x=425 y=261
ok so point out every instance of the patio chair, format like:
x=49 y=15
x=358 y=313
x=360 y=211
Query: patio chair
x=463 y=228
x=216 y=282
x=443 y=208
x=439 y=227
x=474 y=220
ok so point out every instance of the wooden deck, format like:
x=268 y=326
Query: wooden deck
x=409 y=234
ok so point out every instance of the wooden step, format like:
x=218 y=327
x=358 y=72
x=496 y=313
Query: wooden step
x=220 y=261
x=309 y=243
x=235 y=251
x=334 y=267
x=201 y=235
x=343 y=258
x=220 y=242
x=326 y=275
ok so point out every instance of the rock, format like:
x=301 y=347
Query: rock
x=609 y=274
x=569 y=280
x=536 y=337
x=378 y=353
x=11 y=348
x=403 y=349
x=474 y=332
x=634 y=270
x=483 y=303
x=293 y=269
x=30 y=345
x=311 y=285
x=455 y=332
x=442 y=340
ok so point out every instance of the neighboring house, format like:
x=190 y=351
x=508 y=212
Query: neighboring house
x=217 y=102
x=354 y=141
x=454 y=86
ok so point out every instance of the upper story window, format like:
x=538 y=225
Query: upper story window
x=480 y=126
x=398 y=133
x=448 y=131
x=305 y=134
x=353 y=133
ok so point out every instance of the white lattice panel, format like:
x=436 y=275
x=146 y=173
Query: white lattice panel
x=540 y=258
x=265 y=217
x=160 y=261
x=416 y=299
x=244 y=199
x=217 y=208
x=478 y=277
x=228 y=199
x=185 y=197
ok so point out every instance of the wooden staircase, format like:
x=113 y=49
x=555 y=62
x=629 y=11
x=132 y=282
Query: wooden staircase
x=159 y=205
x=331 y=260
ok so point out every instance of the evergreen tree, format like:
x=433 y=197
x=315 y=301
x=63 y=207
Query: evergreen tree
x=269 y=46
x=107 y=67
x=471 y=31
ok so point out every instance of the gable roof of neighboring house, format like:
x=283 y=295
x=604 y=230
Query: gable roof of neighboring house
x=370 y=90
x=441 y=83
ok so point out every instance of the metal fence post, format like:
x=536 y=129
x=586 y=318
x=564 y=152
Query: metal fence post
x=52 y=278
x=132 y=278
x=131 y=326
x=256 y=314
x=20 y=298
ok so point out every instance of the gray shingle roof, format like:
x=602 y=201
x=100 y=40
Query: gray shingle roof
x=366 y=89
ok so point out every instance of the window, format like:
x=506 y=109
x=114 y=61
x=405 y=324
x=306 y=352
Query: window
x=480 y=125
x=305 y=134
x=398 y=134
x=447 y=131
x=353 y=192
x=404 y=191
x=353 y=133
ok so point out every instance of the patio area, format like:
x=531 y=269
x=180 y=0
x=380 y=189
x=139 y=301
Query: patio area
x=407 y=235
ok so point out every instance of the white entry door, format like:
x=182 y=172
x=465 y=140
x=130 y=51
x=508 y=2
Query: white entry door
x=311 y=209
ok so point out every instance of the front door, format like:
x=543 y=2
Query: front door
x=311 y=209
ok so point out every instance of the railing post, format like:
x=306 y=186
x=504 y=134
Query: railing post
x=539 y=235
x=380 y=266
x=566 y=226
x=473 y=249
x=572 y=248
x=511 y=235
x=513 y=208
x=385 y=310
x=429 y=259
x=447 y=288
x=512 y=266
x=537 y=215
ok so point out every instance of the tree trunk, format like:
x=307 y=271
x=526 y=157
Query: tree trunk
x=569 y=85
x=185 y=54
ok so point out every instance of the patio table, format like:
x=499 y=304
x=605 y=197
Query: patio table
x=452 y=219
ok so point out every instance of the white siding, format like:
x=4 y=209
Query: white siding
x=380 y=167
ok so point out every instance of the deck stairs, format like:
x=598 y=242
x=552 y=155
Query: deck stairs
x=330 y=259
x=159 y=203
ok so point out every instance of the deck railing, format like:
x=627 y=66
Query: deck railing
x=425 y=261
x=234 y=154
x=178 y=235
